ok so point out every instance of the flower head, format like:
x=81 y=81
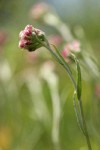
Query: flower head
x=73 y=46
x=30 y=37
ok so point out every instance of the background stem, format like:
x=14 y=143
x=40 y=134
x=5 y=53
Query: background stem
x=65 y=65
x=60 y=59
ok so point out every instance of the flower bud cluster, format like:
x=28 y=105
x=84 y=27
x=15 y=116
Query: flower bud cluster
x=29 y=38
x=71 y=47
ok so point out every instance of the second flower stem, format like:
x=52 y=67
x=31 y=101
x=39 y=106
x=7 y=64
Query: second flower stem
x=65 y=65
x=61 y=60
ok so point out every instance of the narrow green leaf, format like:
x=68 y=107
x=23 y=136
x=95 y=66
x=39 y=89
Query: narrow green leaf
x=79 y=84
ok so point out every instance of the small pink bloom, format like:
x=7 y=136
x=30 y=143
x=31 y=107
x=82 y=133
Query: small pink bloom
x=65 y=53
x=26 y=32
x=29 y=28
x=24 y=36
x=75 y=46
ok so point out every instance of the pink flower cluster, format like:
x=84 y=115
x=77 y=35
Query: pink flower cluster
x=30 y=37
x=24 y=37
x=71 y=47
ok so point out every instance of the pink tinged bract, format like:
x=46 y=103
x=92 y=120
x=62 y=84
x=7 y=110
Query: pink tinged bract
x=29 y=28
x=22 y=43
x=24 y=34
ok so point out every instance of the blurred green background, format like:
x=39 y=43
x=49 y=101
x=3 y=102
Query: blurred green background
x=28 y=90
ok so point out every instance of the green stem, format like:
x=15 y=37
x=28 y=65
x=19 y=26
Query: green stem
x=64 y=64
x=84 y=125
x=60 y=59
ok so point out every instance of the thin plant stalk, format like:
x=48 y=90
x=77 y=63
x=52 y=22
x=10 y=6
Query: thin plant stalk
x=84 y=125
x=61 y=60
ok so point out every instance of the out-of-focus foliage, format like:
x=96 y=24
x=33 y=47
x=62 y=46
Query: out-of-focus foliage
x=34 y=88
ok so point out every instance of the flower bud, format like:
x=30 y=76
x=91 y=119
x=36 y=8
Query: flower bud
x=75 y=46
x=30 y=37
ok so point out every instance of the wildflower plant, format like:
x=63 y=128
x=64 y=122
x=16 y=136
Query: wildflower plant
x=31 y=39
